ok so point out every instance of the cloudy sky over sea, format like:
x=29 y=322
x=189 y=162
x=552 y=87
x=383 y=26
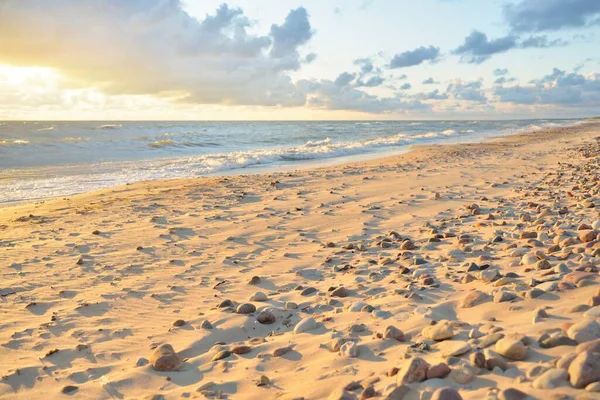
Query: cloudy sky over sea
x=305 y=59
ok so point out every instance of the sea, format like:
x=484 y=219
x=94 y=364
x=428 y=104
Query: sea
x=39 y=160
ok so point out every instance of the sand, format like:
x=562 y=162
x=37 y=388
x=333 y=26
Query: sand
x=92 y=284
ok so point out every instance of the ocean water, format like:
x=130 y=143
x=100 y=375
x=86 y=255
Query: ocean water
x=48 y=159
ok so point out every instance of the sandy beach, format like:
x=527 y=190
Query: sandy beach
x=468 y=266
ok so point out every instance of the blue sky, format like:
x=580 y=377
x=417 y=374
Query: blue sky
x=305 y=59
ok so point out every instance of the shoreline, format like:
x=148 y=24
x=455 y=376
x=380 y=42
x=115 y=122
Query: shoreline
x=469 y=252
x=303 y=166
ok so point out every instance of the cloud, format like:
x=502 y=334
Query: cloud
x=433 y=95
x=366 y=65
x=406 y=86
x=500 y=71
x=326 y=94
x=344 y=79
x=551 y=15
x=501 y=80
x=153 y=47
x=371 y=82
x=477 y=48
x=429 y=81
x=415 y=57
x=468 y=91
x=560 y=88
x=295 y=32
x=542 y=42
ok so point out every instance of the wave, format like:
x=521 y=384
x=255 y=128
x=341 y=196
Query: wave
x=13 y=142
x=110 y=126
x=161 y=143
x=50 y=128
x=74 y=139
x=171 y=143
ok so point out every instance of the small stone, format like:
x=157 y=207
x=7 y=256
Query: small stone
x=397 y=393
x=489 y=340
x=281 y=351
x=512 y=394
x=349 y=349
x=584 y=369
x=308 y=291
x=477 y=359
x=592 y=346
x=306 y=324
x=496 y=362
x=454 y=349
x=587 y=236
x=512 y=348
x=593 y=387
x=255 y=280
x=339 y=292
x=391 y=332
x=141 y=362
x=438 y=332
x=221 y=355
x=565 y=360
x=463 y=374
x=245 y=308
x=440 y=370
x=241 y=349
x=206 y=325
x=266 y=317
x=555 y=341
x=414 y=370
x=69 y=389
x=290 y=305
x=446 y=393
x=225 y=304
x=259 y=296
x=473 y=298
x=164 y=358
x=584 y=331
x=503 y=296
x=552 y=378
x=263 y=381
x=179 y=322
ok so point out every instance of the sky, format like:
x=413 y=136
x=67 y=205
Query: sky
x=298 y=59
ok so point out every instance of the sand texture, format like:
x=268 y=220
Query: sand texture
x=458 y=270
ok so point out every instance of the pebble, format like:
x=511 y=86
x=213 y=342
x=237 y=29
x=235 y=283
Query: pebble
x=164 y=358
x=259 y=296
x=266 y=317
x=584 y=369
x=584 y=331
x=245 y=308
x=512 y=348
x=281 y=351
x=339 y=292
x=552 y=378
x=391 y=332
x=221 y=355
x=463 y=374
x=414 y=370
x=503 y=296
x=473 y=298
x=512 y=394
x=438 y=332
x=241 y=349
x=290 y=305
x=446 y=393
x=349 y=349
x=306 y=324
x=440 y=371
